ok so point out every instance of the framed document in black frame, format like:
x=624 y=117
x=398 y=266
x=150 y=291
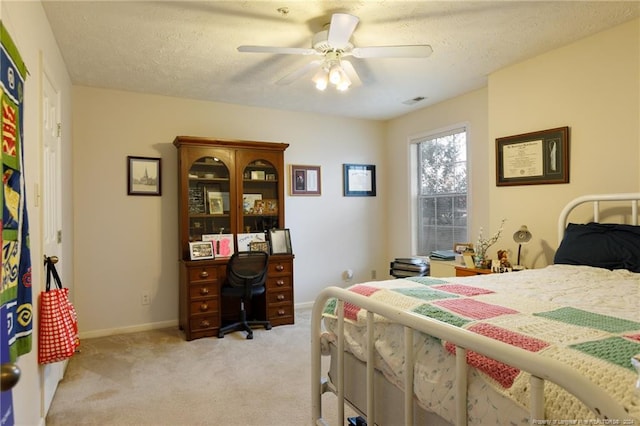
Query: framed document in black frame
x=359 y=180
x=533 y=158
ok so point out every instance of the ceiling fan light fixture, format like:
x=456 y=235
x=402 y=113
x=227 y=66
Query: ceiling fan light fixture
x=321 y=79
x=344 y=83
x=336 y=74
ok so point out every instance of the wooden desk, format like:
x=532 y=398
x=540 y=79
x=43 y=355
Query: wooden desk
x=463 y=271
x=202 y=309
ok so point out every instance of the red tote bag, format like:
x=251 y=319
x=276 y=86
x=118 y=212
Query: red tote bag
x=58 y=322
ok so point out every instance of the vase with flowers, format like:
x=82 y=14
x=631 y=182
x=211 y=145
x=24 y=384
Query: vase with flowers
x=483 y=245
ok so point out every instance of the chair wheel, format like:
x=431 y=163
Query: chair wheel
x=249 y=336
x=267 y=327
x=220 y=335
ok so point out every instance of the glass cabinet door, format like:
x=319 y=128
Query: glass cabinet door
x=209 y=207
x=260 y=196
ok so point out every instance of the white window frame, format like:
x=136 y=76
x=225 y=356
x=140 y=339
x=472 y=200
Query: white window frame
x=414 y=141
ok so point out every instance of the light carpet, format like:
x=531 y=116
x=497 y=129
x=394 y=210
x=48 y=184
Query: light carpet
x=158 y=378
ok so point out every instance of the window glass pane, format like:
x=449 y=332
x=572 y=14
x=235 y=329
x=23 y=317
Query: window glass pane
x=442 y=191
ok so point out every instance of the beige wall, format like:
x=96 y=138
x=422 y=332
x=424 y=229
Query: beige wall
x=591 y=86
x=129 y=244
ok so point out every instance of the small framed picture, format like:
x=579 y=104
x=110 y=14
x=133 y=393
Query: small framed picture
x=258 y=207
x=201 y=250
x=280 y=240
x=257 y=175
x=249 y=202
x=270 y=206
x=259 y=246
x=461 y=248
x=305 y=180
x=143 y=176
x=216 y=206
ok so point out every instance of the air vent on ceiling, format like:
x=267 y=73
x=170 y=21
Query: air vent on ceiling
x=414 y=100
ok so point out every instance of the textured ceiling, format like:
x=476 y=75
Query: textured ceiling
x=188 y=49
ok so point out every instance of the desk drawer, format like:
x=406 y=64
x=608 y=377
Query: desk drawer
x=204 y=322
x=284 y=296
x=203 y=273
x=280 y=282
x=204 y=290
x=280 y=267
x=205 y=306
x=280 y=312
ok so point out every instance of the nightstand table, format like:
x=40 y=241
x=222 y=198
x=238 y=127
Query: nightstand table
x=463 y=271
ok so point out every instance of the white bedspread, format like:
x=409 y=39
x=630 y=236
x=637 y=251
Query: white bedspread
x=611 y=293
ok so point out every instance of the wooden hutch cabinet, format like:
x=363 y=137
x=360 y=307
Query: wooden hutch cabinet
x=218 y=181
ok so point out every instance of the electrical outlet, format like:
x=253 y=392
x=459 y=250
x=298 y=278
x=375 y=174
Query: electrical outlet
x=145 y=299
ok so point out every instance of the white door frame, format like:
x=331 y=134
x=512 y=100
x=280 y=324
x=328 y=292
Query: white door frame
x=51 y=199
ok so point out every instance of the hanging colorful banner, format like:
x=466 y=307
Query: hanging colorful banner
x=15 y=293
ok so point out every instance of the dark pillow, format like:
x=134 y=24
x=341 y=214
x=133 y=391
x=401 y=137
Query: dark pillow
x=603 y=245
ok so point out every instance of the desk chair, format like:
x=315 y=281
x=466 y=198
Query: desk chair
x=246 y=277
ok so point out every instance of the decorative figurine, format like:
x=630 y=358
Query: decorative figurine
x=503 y=255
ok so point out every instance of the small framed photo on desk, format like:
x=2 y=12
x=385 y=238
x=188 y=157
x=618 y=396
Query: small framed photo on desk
x=201 y=250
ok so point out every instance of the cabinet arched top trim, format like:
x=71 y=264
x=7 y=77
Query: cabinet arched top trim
x=231 y=143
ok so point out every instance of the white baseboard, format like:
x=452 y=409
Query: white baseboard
x=152 y=326
x=304 y=305
x=130 y=329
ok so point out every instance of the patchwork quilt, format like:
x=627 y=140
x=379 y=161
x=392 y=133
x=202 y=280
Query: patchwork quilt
x=587 y=318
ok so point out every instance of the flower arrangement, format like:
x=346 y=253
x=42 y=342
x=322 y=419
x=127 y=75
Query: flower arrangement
x=483 y=245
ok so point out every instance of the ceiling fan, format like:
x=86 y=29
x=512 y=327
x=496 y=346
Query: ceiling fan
x=334 y=46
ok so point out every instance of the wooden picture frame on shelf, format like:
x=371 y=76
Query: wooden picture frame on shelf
x=216 y=205
x=144 y=176
x=201 y=250
x=270 y=206
x=258 y=175
x=249 y=202
x=304 y=180
x=359 y=180
x=534 y=158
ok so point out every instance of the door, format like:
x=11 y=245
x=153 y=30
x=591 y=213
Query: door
x=52 y=211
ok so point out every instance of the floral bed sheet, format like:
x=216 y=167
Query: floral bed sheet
x=586 y=317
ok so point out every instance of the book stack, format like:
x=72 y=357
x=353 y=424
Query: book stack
x=403 y=267
x=443 y=255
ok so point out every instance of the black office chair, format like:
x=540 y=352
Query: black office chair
x=246 y=277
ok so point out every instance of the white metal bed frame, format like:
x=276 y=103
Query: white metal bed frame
x=541 y=369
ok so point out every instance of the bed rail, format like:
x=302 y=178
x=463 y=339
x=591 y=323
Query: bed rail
x=541 y=369
x=633 y=197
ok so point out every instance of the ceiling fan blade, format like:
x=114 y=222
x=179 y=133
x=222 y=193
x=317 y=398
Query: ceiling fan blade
x=290 y=78
x=351 y=72
x=279 y=50
x=415 y=51
x=341 y=28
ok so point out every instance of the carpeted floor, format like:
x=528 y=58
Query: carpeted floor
x=158 y=378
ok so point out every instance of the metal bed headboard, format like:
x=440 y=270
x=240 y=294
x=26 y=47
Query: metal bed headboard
x=633 y=197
